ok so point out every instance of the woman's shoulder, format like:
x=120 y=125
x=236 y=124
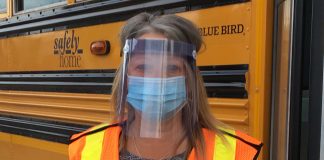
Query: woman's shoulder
x=245 y=145
x=92 y=130
x=86 y=143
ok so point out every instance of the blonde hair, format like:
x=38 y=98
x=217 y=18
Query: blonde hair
x=196 y=115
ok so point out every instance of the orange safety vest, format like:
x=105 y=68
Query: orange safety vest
x=101 y=143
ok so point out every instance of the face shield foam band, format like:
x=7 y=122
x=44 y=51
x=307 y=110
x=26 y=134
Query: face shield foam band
x=160 y=46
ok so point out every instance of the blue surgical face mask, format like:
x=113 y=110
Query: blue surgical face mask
x=156 y=96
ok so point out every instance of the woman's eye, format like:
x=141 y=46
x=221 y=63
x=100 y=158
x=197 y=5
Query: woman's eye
x=142 y=67
x=173 y=69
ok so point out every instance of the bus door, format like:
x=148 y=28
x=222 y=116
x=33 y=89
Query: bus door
x=297 y=94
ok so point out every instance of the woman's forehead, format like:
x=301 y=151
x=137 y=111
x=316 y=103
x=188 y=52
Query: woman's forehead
x=153 y=58
x=152 y=36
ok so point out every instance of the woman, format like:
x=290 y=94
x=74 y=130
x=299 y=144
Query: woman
x=160 y=101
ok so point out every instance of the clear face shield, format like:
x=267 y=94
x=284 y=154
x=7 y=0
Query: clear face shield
x=156 y=76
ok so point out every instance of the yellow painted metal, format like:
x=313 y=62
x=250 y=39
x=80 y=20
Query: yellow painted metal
x=218 y=31
x=15 y=147
x=3 y=15
x=260 y=72
x=69 y=2
x=27 y=53
x=231 y=111
x=77 y=108
x=7 y=13
x=10 y=8
x=93 y=109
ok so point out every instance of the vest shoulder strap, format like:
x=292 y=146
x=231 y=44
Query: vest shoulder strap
x=247 y=147
x=88 y=144
x=92 y=130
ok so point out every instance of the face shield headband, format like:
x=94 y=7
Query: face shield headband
x=161 y=46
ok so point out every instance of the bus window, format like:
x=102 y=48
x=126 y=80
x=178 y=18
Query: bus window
x=3 y=6
x=23 y=5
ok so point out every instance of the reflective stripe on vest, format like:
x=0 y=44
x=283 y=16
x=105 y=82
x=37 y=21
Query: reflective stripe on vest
x=87 y=147
x=225 y=150
x=103 y=145
x=216 y=147
x=233 y=149
x=93 y=146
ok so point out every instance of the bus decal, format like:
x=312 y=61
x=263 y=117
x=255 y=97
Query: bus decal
x=68 y=49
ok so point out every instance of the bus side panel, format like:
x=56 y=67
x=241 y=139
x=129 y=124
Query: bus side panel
x=232 y=36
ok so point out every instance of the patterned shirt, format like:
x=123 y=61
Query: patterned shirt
x=125 y=155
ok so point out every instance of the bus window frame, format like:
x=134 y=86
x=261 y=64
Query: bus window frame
x=53 y=5
x=79 y=1
x=4 y=13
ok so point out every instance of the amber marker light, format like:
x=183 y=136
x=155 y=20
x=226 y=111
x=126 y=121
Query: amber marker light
x=100 y=47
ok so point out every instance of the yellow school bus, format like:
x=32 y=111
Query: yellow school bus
x=52 y=85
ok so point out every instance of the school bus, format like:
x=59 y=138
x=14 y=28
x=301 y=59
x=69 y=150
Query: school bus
x=54 y=84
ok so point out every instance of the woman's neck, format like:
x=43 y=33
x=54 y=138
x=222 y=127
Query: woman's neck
x=171 y=139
